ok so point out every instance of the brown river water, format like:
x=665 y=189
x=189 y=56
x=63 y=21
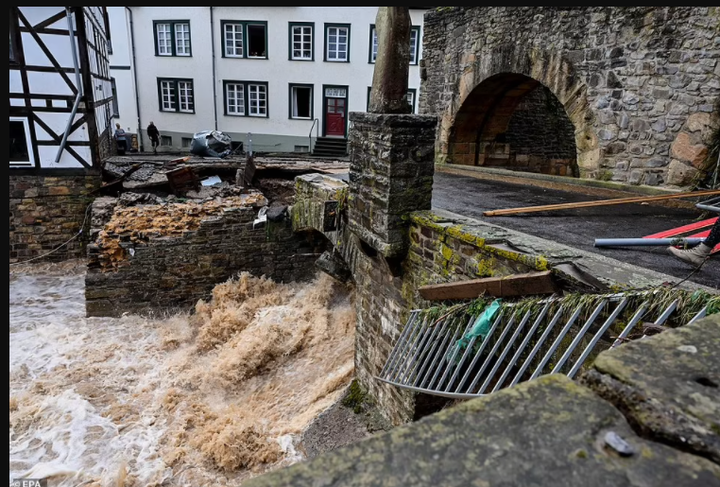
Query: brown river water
x=211 y=397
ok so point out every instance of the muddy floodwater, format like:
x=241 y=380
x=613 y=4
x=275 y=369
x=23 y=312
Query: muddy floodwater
x=211 y=397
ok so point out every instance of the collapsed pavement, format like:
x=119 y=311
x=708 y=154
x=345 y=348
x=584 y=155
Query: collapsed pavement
x=174 y=228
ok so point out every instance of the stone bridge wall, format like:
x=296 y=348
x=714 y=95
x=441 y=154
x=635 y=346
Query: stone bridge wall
x=174 y=272
x=639 y=84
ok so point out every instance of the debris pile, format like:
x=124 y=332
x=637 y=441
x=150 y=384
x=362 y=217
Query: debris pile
x=137 y=224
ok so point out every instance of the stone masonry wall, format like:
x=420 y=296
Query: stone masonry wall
x=541 y=136
x=391 y=174
x=638 y=83
x=174 y=272
x=47 y=211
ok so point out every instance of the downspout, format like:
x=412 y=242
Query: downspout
x=135 y=80
x=214 y=81
x=78 y=84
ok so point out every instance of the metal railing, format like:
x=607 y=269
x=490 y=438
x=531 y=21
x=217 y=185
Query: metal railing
x=316 y=126
x=521 y=343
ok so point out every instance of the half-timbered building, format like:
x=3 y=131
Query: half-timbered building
x=60 y=103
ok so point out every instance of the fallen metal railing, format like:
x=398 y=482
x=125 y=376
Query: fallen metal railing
x=522 y=343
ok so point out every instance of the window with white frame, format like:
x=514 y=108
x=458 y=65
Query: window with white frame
x=185 y=96
x=172 y=38
x=234 y=98
x=233 y=36
x=301 y=102
x=301 y=41
x=21 y=153
x=337 y=42
x=246 y=98
x=244 y=39
x=414 y=44
x=257 y=100
x=176 y=95
x=182 y=39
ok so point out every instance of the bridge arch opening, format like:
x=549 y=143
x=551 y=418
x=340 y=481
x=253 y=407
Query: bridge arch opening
x=514 y=122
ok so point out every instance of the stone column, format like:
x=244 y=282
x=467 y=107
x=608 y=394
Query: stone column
x=391 y=175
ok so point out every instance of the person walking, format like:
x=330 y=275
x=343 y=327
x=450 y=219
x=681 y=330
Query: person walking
x=120 y=139
x=154 y=135
x=697 y=255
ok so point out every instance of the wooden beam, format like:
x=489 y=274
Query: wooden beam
x=587 y=204
x=513 y=285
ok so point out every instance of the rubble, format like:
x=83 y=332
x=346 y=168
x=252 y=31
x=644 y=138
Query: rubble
x=137 y=224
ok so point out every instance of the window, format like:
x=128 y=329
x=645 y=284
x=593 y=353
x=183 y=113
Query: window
x=337 y=43
x=244 y=39
x=234 y=99
x=410 y=98
x=301 y=102
x=172 y=38
x=233 y=35
x=165 y=140
x=115 y=109
x=257 y=98
x=186 y=142
x=21 y=153
x=373 y=44
x=176 y=95
x=414 y=43
x=246 y=98
x=301 y=41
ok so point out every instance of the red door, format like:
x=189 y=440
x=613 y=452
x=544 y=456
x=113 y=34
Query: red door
x=335 y=117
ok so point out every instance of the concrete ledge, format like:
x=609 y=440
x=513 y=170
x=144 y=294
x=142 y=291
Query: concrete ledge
x=668 y=386
x=541 y=254
x=548 y=432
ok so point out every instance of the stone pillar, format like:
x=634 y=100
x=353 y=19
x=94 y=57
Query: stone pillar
x=391 y=175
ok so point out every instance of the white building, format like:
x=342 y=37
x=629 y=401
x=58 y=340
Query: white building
x=278 y=73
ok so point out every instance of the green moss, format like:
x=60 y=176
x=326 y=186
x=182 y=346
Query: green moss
x=355 y=397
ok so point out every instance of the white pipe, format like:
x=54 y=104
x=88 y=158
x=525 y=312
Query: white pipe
x=78 y=84
x=645 y=242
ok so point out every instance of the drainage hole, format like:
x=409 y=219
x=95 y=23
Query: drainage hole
x=704 y=381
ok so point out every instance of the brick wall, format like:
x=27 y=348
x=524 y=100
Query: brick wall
x=174 y=272
x=47 y=211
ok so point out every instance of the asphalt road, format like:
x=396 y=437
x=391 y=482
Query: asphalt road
x=578 y=228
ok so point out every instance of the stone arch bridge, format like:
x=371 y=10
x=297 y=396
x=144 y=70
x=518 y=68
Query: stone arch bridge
x=622 y=93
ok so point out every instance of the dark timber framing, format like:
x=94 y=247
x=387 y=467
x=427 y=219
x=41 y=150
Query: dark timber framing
x=32 y=106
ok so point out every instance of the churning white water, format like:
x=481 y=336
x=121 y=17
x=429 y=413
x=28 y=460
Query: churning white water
x=208 y=398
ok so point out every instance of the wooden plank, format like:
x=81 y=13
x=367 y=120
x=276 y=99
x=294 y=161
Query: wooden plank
x=587 y=204
x=514 y=285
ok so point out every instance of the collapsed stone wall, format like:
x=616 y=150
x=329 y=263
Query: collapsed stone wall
x=46 y=211
x=139 y=270
x=638 y=83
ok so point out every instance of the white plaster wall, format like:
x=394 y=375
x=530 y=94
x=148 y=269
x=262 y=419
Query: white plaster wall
x=121 y=58
x=150 y=67
x=278 y=71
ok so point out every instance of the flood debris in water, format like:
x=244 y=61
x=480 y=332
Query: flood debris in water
x=208 y=398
